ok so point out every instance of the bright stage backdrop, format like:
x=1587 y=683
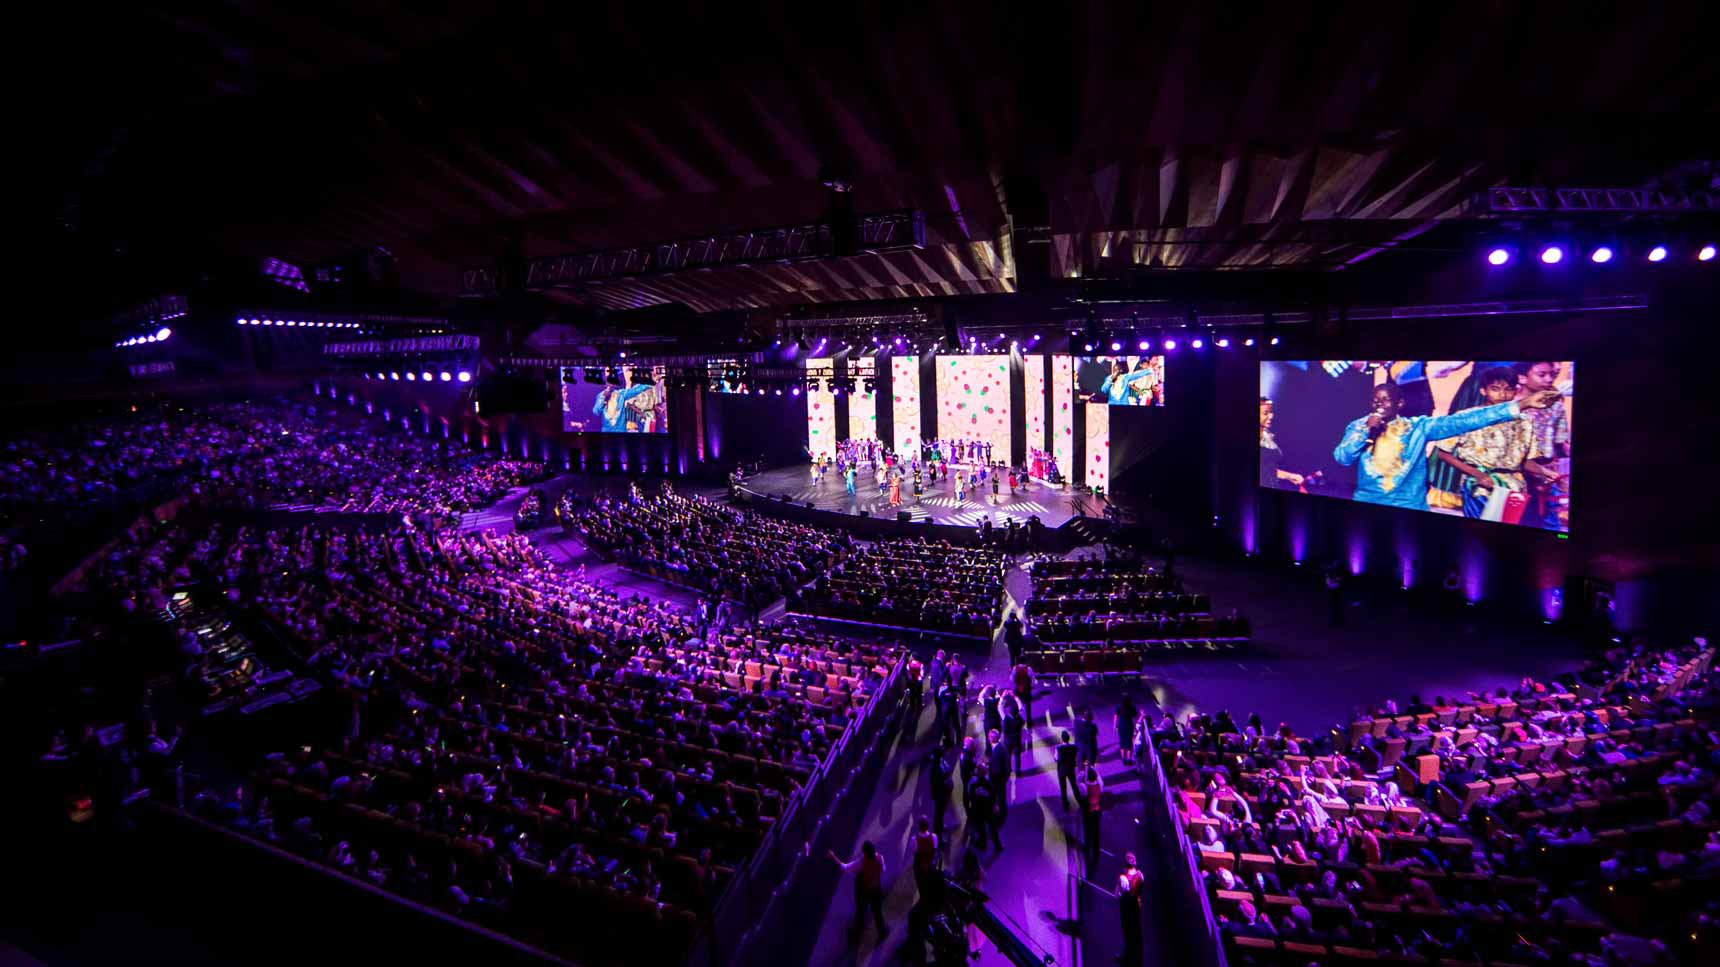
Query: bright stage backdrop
x=820 y=414
x=905 y=402
x=1313 y=437
x=973 y=400
x=1098 y=469
x=1033 y=397
x=1063 y=414
x=863 y=405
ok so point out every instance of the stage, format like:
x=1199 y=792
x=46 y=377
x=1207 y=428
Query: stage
x=1053 y=506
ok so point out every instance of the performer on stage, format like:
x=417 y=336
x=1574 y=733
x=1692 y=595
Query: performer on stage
x=896 y=490
x=961 y=487
x=848 y=479
x=1392 y=450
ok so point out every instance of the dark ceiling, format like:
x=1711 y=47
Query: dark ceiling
x=1162 y=135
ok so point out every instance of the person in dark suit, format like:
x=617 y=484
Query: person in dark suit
x=943 y=784
x=1067 y=754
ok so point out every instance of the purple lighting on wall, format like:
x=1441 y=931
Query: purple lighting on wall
x=1356 y=553
x=1473 y=571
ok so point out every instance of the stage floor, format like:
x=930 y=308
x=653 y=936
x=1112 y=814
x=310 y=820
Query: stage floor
x=1053 y=506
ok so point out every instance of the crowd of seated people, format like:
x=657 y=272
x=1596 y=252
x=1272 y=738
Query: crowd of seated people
x=530 y=750
x=737 y=554
x=912 y=583
x=1560 y=822
x=1118 y=602
x=253 y=454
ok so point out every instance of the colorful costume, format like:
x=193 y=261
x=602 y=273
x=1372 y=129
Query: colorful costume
x=1393 y=468
x=611 y=407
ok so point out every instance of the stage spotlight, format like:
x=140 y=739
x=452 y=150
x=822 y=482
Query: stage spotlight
x=1087 y=347
x=445 y=376
x=1705 y=254
x=1143 y=345
x=1224 y=344
x=1657 y=254
x=1249 y=341
x=794 y=391
x=268 y=322
x=1498 y=256
x=1116 y=346
x=1197 y=344
x=394 y=376
x=1552 y=255
x=779 y=391
x=1601 y=255
x=463 y=376
x=1274 y=340
x=425 y=377
x=411 y=377
x=1170 y=344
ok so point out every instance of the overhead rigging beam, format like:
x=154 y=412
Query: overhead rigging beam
x=1568 y=201
x=887 y=232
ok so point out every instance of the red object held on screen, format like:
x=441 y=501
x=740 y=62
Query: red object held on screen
x=1514 y=504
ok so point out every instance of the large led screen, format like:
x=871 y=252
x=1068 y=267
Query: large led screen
x=1121 y=380
x=820 y=412
x=614 y=401
x=905 y=402
x=1478 y=439
x=973 y=401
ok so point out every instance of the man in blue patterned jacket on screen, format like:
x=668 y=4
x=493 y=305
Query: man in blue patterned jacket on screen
x=1392 y=449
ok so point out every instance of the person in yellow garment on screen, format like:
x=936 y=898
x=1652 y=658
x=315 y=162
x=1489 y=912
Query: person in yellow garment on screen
x=1391 y=450
x=611 y=405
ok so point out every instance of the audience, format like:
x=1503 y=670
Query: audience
x=933 y=585
x=1557 y=822
x=736 y=554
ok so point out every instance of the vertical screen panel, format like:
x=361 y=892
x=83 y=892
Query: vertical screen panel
x=1063 y=414
x=1033 y=397
x=905 y=403
x=863 y=404
x=820 y=414
x=1098 y=472
x=973 y=401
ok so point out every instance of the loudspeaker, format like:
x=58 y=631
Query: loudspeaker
x=903 y=516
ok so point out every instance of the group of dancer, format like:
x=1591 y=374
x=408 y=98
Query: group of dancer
x=965 y=464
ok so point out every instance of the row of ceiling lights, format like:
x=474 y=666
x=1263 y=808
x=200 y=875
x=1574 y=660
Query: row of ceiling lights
x=446 y=376
x=159 y=335
x=312 y=324
x=1555 y=253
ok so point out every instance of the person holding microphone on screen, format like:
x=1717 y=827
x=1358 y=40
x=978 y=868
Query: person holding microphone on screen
x=1389 y=450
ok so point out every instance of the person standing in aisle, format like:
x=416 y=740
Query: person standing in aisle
x=1023 y=686
x=1126 y=716
x=1092 y=810
x=1067 y=754
x=943 y=784
x=1131 y=887
x=1087 y=737
x=868 y=868
x=1013 y=729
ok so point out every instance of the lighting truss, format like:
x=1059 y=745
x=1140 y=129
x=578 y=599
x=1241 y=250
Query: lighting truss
x=1566 y=201
x=887 y=232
